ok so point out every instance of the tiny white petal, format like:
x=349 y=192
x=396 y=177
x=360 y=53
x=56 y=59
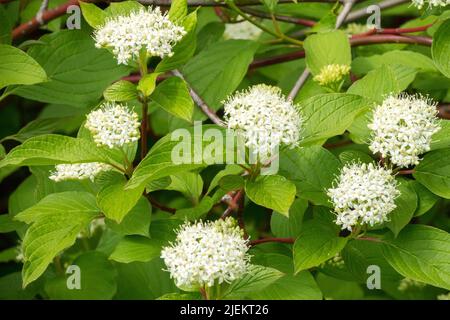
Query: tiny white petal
x=78 y=171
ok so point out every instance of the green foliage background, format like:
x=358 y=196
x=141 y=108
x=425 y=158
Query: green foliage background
x=51 y=78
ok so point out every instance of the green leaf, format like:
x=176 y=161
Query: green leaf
x=53 y=149
x=147 y=83
x=230 y=169
x=440 y=49
x=406 y=205
x=181 y=296
x=7 y=224
x=136 y=248
x=183 y=50
x=178 y=10
x=301 y=286
x=93 y=15
x=16 y=67
x=5 y=27
x=123 y=8
x=441 y=139
x=136 y=222
x=158 y=162
x=426 y=199
x=173 y=96
x=71 y=60
x=289 y=227
x=420 y=253
x=358 y=255
x=329 y=115
x=318 y=242
x=318 y=53
x=97 y=280
x=121 y=91
x=434 y=172
x=218 y=70
x=377 y=84
x=55 y=222
x=196 y=212
x=274 y=192
x=312 y=169
x=257 y=278
x=190 y=184
x=112 y=198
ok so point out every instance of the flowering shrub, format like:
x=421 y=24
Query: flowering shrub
x=236 y=150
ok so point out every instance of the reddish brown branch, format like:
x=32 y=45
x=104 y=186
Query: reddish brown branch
x=281 y=240
x=397 y=31
x=406 y=172
x=160 y=206
x=47 y=15
x=233 y=204
x=360 y=41
x=264 y=15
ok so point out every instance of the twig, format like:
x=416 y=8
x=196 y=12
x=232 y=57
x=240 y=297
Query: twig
x=199 y=101
x=281 y=240
x=264 y=15
x=355 y=15
x=406 y=172
x=42 y=8
x=348 y=4
x=354 y=42
x=233 y=205
x=393 y=31
x=160 y=206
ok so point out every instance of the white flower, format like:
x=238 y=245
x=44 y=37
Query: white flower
x=402 y=128
x=148 y=29
x=265 y=119
x=113 y=125
x=242 y=30
x=207 y=253
x=331 y=73
x=363 y=194
x=431 y=3
x=78 y=171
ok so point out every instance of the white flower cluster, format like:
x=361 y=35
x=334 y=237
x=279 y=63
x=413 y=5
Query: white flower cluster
x=242 y=30
x=78 y=171
x=113 y=125
x=431 y=3
x=363 y=194
x=207 y=253
x=402 y=127
x=144 y=29
x=264 y=117
x=335 y=262
x=331 y=73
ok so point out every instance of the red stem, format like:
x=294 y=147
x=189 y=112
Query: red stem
x=281 y=240
x=393 y=31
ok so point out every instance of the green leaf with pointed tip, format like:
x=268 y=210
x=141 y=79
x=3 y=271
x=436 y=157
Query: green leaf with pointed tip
x=53 y=149
x=434 y=172
x=93 y=15
x=71 y=60
x=406 y=205
x=182 y=150
x=274 y=192
x=17 y=67
x=329 y=115
x=318 y=242
x=147 y=83
x=420 y=253
x=173 y=96
x=55 y=222
x=178 y=10
x=114 y=201
x=312 y=169
x=121 y=91
x=440 y=49
x=256 y=279
x=136 y=222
